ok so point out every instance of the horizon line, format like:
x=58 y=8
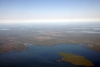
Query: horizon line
x=49 y=20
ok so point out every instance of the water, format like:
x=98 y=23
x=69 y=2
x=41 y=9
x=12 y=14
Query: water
x=46 y=56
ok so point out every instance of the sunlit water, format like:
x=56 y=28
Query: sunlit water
x=46 y=56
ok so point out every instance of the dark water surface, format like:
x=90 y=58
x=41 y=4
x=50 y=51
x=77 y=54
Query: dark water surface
x=46 y=56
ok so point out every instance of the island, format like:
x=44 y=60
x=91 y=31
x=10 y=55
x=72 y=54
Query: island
x=58 y=60
x=75 y=59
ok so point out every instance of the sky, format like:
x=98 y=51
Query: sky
x=49 y=10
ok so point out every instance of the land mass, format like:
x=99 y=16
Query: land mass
x=75 y=59
x=8 y=46
x=15 y=36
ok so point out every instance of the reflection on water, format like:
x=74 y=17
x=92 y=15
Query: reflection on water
x=46 y=56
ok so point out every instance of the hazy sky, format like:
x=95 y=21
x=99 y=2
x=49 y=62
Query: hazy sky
x=49 y=10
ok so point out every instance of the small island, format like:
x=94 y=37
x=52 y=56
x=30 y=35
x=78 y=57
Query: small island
x=75 y=59
x=58 y=60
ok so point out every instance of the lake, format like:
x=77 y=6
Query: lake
x=46 y=56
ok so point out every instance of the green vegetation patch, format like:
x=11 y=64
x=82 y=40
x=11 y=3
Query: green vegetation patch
x=75 y=59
